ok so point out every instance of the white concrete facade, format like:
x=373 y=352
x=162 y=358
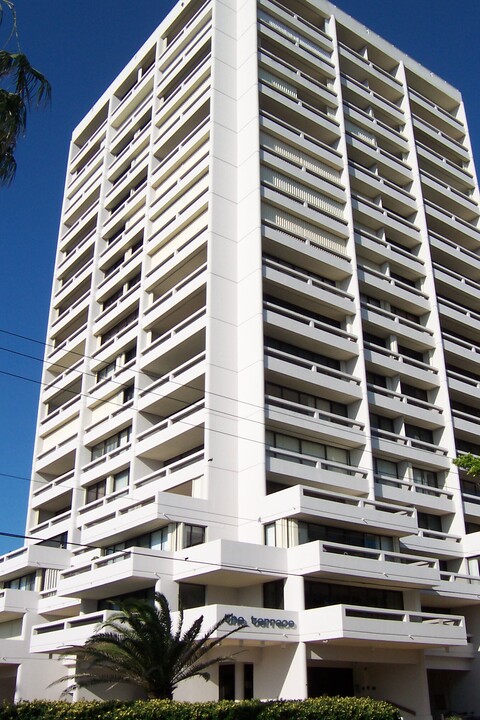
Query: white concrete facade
x=262 y=357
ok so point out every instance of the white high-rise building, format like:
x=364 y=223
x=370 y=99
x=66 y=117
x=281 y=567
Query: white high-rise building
x=263 y=354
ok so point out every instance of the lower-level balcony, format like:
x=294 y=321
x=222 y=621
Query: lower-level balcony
x=159 y=509
x=307 y=503
x=30 y=558
x=336 y=561
x=15 y=603
x=122 y=572
x=459 y=588
x=61 y=634
x=285 y=466
x=354 y=624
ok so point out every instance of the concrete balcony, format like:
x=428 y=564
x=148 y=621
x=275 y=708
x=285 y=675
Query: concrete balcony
x=457 y=174
x=286 y=467
x=56 y=525
x=311 y=376
x=435 y=544
x=453 y=256
x=398 y=326
x=285 y=236
x=376 y=217
x=62 y=415
x=457 y=287
x=185 y=293
x=438 y=116
x=304 y=419
x=363 y=96
x=466 y=426
x=396 y=292
x=459 y=589
x=325 y=560
x=116 y=522
x=471 y=507
x=15 y=603
x=30 y=558
x=65 y=353
x=61 y=634
x=465 y=353
x=448 y=197
x=57 y=456
x=74 y=286
x=372 y=184
x=216 y=563
x=185 y=340
x=307 y=503
x=122 y=572
x=440 y=142
x=407 y=368
x=47 y=492
x=381 y=251
x=181 y=472
x=383 y=82
x=367 y=153
x=353 y=624
x=467 y=387
x=454 y=316
x=283 y=321
x=407 y=448
x=292 y=283
x=63 y=381
x=173 y=435
x=424 y=498
x=175 y=389
x=395 y=404
x=442 y=221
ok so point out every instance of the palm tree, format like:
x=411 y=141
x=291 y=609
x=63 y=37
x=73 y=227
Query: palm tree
x=21 y=88
x=139 y=646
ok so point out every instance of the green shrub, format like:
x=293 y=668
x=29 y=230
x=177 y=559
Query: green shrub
x=323 y=708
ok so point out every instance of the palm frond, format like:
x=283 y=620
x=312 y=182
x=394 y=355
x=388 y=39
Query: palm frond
x=138 y=645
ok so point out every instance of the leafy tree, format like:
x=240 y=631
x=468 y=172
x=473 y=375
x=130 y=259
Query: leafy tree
x=468 y=462
x=139 y=646
x=21 y=88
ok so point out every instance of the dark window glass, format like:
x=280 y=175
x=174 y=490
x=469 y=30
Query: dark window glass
x=273 y=594
x=190 y=595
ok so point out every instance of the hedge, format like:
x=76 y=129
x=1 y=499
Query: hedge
x=323 y=708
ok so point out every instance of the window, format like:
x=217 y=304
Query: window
x=226 y=682
x=119 y=362
x=273 y=594
x=307 y=447
x=414 y=392
x=328 y=406
x=426 y=521
x=377 y=379
x=121 y=480
x=271 y=534
x=112 y=443
x=386 y=467
x=109 y=334
x=419 y=433
x=424 y=477
x=155 y=540
x=308 y=532
x=318 y=594
x=410 y=353
x=248 y=681
x=128 y=393
x=371 y=339
x=24 y=582
x=193 y=535
x=190 y=595
x=380 y=422
x=96 y=491
x=313 y=357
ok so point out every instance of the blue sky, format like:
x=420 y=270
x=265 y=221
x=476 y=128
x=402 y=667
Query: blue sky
x=80 y=45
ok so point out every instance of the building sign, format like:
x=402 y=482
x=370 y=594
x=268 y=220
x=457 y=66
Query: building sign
x=258 y=622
